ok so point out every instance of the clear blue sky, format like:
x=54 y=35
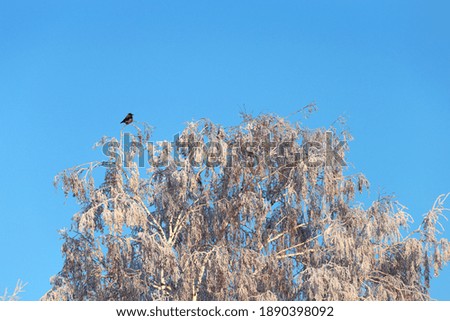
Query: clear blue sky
x=71 y=70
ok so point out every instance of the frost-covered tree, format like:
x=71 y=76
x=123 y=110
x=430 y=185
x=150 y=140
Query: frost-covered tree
x=15 y=295
x=260 y=211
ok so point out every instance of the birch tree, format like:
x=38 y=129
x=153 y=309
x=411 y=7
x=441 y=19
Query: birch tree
x=260 y=211
x=15 y=295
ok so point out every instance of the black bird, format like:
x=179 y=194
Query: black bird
x=128 y=119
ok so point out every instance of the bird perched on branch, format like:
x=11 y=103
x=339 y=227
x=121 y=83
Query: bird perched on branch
x=128 y=119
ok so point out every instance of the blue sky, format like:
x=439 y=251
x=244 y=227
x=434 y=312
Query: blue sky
x=71 y=70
